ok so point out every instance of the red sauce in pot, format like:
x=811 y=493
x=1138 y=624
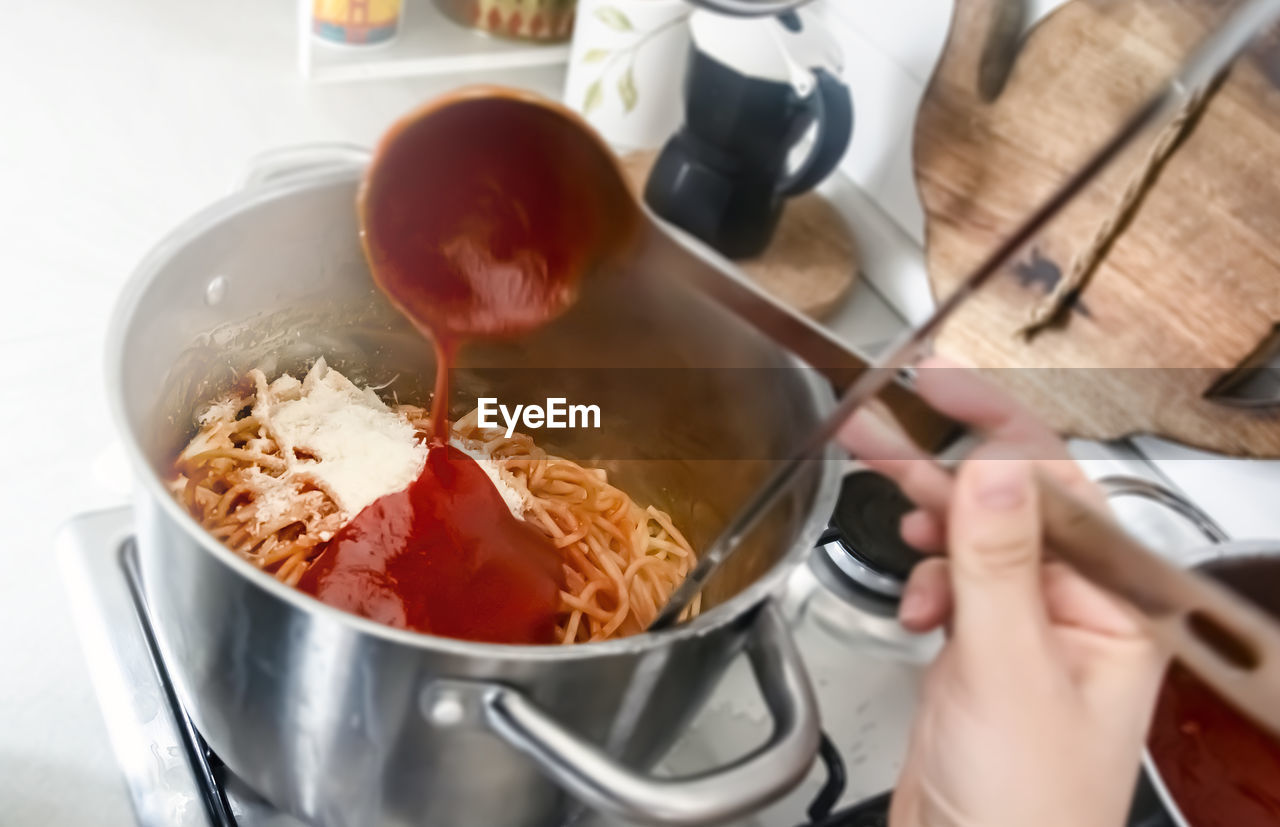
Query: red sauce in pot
x=446 y=557
x=1220 y=768
x=479 y=217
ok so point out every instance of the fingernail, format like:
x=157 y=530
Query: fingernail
x=1002 y=483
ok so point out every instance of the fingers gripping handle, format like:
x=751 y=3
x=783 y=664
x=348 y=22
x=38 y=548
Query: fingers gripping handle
x=1224 y=639
x=715 y=796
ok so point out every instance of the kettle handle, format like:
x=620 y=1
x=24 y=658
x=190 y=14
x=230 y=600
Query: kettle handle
x=833 y=108
x=602 y=783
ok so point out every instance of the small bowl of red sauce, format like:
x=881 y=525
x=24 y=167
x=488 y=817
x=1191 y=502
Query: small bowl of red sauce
x=1212 y=765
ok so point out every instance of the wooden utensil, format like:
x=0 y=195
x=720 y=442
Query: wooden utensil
x=1186 y=292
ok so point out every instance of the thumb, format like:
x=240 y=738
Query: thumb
x=995 y=548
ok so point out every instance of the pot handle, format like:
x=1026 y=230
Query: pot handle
x=1119 y=485
x=600 y=782
x=284 y=163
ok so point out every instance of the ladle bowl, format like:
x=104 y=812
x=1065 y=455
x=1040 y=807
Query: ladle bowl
x=482 y=211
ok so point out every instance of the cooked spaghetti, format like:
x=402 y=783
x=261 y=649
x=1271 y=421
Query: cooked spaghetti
x=267 y=494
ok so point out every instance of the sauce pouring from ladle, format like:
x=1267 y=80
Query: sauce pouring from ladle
x=479 y=219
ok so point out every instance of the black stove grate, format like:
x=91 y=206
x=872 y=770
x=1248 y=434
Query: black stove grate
x=204 y=763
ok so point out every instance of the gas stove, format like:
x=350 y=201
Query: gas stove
x=840 y=607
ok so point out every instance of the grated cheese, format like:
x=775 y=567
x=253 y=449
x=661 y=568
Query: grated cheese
x=359 y=449
x=222 y=409
x=352 y=444
x=274 y=496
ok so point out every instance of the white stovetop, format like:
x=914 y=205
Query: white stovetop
x=118 y=120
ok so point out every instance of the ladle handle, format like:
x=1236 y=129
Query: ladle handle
x=1228 y=642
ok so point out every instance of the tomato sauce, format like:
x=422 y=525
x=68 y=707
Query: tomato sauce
x=446 y=557
x=479 y=217
x=1221 y=769
x=481 y=214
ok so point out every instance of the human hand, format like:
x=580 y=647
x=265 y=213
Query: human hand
x=1035 y=711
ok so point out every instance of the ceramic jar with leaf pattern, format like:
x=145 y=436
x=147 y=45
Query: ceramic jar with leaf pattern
x=626 y=66
x=543 y=20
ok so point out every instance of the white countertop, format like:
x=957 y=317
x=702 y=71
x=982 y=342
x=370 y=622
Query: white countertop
x=120 y=119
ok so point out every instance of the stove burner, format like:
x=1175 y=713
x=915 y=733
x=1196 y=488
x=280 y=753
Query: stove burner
x=863 y=545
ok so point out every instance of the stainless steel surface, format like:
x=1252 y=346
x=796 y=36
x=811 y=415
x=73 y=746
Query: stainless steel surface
x=865 y=671
x=601 y=783
x=320 y=710
x=679 y=256
x=1121 y=486
x=1255 y=382
x=1207 y=62
x=686 y=261
x=859 y=573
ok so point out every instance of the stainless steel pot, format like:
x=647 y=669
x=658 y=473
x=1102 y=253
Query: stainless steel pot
x=1220 y=547
x=343 y=721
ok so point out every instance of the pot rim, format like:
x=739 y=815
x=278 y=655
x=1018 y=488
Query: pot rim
x=208 y=218
x=1193 y=559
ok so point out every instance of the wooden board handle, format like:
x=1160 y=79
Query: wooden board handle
x=1228 y=642
x=989 y=33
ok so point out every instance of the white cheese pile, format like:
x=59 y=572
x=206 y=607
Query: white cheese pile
x=275 y=496
x=350 y=442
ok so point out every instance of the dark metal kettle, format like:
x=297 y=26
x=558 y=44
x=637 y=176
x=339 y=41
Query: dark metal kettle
x=753 y=90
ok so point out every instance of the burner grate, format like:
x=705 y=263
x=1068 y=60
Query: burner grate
x=204 y=763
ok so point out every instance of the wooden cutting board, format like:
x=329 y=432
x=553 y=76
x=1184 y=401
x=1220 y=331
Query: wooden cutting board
x=811 y=262
x=1187 y=291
